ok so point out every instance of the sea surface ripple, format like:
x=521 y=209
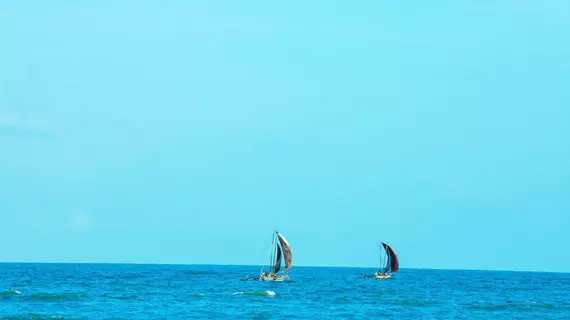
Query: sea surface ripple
x=122 y=291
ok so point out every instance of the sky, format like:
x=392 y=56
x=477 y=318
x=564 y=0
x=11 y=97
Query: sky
x=187 y=131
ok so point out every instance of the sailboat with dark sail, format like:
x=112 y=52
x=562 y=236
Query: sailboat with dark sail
x=280 y=252
x=388 y=262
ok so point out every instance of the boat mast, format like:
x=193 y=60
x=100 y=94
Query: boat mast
x=389 y=261
x=380 y=268
x=272 y=258
x=275 y=252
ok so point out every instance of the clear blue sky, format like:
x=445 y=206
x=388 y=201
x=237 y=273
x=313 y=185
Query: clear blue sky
x=185 y=131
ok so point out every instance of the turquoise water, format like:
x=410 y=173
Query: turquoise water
x=107 y=291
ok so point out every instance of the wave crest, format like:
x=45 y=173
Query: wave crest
x=10 y=293
x=50 y=297
x=266 y=293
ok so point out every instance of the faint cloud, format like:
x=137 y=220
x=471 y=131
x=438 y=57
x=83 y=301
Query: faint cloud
x=10 y=123
x=80 y=221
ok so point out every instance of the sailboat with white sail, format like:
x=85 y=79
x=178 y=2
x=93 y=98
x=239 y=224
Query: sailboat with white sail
x=280 y=252
x=388 y=262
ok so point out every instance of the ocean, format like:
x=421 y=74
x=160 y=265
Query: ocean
x=123 y=291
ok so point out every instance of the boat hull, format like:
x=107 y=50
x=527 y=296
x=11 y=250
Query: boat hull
x=275 y=279
x=382 y=276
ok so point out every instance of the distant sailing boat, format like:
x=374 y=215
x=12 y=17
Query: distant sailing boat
x=391 y=262
x=280 y=250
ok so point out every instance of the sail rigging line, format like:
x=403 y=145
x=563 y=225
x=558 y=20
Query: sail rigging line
x=388 y=259
x=268 y=254
x=388 y=262
x=272 y=254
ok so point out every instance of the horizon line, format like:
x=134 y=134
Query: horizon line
x=256 y=265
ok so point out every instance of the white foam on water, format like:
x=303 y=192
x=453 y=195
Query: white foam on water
x=10 y=292
x=270 y=293
x=266 y=293
x=530 y=301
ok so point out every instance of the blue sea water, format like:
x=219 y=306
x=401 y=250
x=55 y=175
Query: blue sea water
x=113 y=291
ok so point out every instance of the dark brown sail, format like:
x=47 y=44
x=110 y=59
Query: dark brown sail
x=392 y=262
x=287 y=253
